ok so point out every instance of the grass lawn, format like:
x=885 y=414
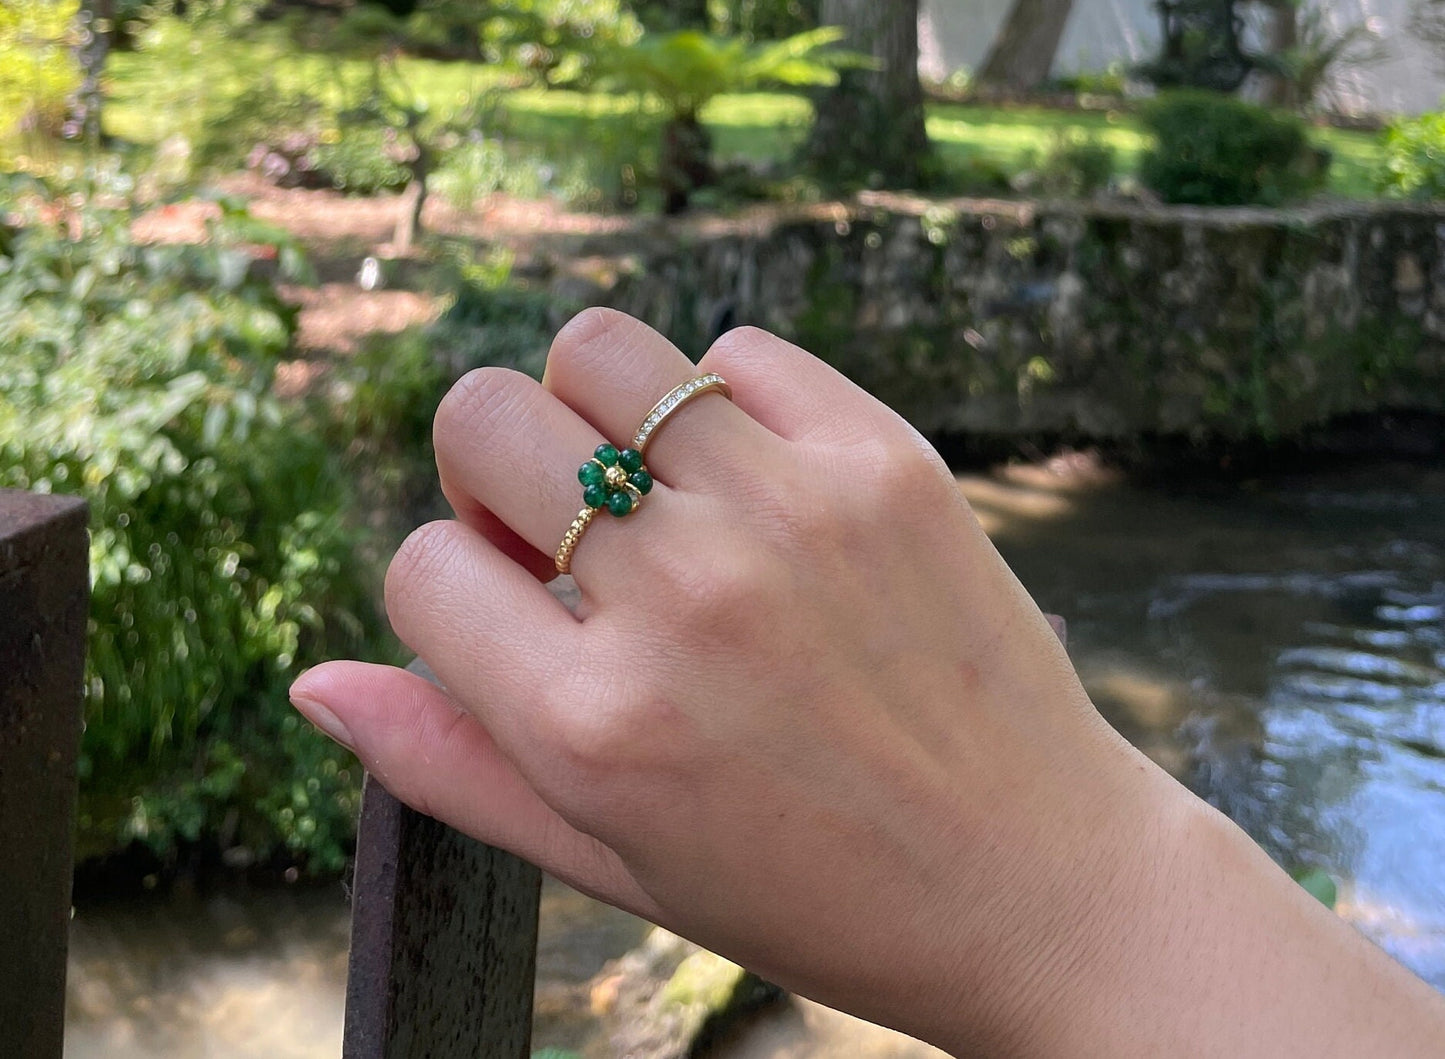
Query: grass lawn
x=168 y=90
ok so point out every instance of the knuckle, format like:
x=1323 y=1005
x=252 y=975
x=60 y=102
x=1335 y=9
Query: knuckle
x=736 y=344
x=591 y=738
x=723 y=598
x=783 y=499
x=483 y=404
x=590 y=337
x=631 y=728
x=421 y=561
x=900 y=474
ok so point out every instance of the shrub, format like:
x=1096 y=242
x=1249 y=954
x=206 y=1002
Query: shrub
x=1414 y=162
x=478 y=165
x=1214 y=150
x=1076 y=167
x=292 y=138
x=490 y=319
x=140 y=377
x=38 y=70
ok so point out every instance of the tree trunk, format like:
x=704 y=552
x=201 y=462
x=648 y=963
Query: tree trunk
x=869 y=127
x=685 y=162
x=413 y=198
x=1277 y=89
x=97 y=28
x=1023 y=52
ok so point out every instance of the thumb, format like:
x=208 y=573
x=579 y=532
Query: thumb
x=429 y=752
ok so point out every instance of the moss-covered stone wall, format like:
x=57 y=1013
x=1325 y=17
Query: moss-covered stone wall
x=1094 y=321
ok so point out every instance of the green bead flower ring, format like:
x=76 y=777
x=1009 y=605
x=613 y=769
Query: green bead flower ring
x=615 y=480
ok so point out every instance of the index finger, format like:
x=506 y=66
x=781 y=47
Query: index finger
x=496 y=637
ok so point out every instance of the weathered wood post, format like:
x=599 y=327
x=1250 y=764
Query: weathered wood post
x=443 y=941
x=44 y=598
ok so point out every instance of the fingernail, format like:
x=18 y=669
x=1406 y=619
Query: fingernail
x=324 y=719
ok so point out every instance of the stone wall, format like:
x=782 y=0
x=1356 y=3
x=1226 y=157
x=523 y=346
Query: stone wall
x=1079 y=320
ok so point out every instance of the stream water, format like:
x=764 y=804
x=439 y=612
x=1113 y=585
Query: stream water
x=1280 y=645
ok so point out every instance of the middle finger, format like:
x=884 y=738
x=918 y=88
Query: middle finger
x=613 y=368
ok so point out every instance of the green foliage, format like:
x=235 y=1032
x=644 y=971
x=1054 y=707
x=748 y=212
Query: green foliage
x=1108 y=83
x=764 y=19
x=490 y=319
x=668 y=16
x=38 y=69
x=1414 y=158
x=361 y=160
x=686 y=69
x=348 y=131
x=386 y=394
x=540 y=40
x=1076 y=167
x=390 y=388
x=597 y=149
x=377 y=127
x=1217 y=151
x=139 y=376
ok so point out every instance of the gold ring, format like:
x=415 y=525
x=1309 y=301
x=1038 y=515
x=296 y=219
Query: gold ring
x=613 y=479
x=675 y=399
x=616 y=479
x=563 y=558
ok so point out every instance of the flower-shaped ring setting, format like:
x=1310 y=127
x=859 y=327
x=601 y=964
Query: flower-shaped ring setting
x=614 y=479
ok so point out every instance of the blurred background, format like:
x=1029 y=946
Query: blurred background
x=1163 y=279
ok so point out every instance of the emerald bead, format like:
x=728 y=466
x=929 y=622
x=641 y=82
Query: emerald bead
x=594 y=495
x=619 y=503
x=591 y=473
x=630 y=460
x=606 y=455
x=641 y=481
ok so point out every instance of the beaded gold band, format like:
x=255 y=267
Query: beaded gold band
x=563 y=559
x=617 y=479
x=675 y=399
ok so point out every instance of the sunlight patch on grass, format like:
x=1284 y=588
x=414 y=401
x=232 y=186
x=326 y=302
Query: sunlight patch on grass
x=1357 y=159
x=1018 y=138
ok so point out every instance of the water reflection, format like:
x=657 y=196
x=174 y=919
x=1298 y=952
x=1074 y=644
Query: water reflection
x=1292 y=655
x=192 y=978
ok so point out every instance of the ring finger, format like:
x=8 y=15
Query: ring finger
x=507 y=453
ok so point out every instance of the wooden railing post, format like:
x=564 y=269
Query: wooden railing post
x=443 y=941
x=44 y=598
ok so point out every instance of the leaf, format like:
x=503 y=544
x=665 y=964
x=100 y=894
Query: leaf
x=1318 y=884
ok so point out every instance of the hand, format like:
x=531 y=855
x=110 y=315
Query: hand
x=804 y=715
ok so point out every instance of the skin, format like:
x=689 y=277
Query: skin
x=807 y=717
